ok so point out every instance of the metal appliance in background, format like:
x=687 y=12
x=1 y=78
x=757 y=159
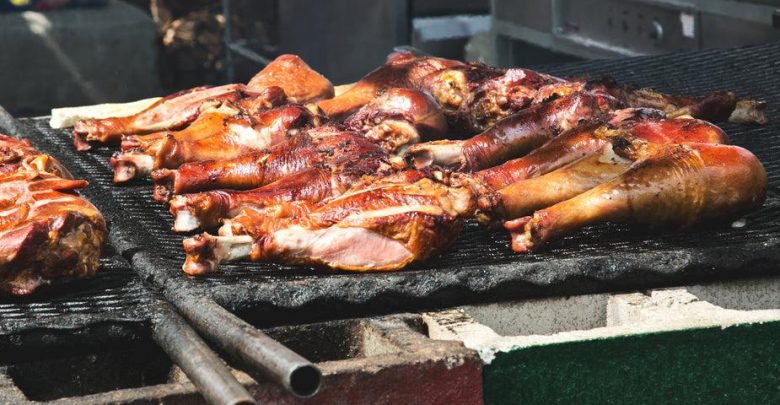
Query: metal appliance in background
x=614 y=28
x=344 y=39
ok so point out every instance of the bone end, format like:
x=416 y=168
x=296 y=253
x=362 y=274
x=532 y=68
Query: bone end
x=520 y=231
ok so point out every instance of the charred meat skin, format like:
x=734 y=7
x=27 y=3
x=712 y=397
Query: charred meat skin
x=383 y=226
x=675 y=185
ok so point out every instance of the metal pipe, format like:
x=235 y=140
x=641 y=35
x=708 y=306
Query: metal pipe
x=250 y=346
x=209 y=374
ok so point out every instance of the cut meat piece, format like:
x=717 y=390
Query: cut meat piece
x=336 y=163
x=172 y=112
x=46 y=232
x=384 y=225
x=399 y=118
x=230 y=138
x=298 y=80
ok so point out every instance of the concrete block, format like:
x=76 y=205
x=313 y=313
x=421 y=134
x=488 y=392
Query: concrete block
x=664 y=346
x=76 y=57
x=385 y=360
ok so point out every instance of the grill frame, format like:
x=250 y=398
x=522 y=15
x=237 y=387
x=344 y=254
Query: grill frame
x=603 y=258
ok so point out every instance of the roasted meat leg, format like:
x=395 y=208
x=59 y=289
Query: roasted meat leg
x=513 y=136
x=677 y=185
x=401 y=70
x=232 y=137
x=338 y=162
x=525 y=196
x=392 y=121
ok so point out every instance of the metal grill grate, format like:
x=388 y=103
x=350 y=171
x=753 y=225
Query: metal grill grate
x=481 y=266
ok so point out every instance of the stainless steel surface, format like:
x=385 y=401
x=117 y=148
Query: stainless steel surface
x=614 y=28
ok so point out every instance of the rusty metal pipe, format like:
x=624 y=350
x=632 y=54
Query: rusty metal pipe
x=187 y=350
x=250 y=346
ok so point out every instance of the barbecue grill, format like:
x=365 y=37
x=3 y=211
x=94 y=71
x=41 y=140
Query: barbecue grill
x=479 y=268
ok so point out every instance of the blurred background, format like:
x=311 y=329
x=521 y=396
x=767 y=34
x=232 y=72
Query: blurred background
x=56 y=53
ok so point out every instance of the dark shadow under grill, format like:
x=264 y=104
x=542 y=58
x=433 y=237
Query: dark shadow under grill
x=481 y=266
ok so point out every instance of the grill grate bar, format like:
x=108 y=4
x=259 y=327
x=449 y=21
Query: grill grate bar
x=481 y=266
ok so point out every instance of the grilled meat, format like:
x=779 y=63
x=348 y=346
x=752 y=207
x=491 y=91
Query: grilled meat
x=513 y=136
x=676 y=185
x=287 y=73
x=384 y=225
x=392 y=122
x=46 y=232
x=399 y=118
x=548 y=116
x=402 y=69
x=583 y=158
x=300 y=82
x=230 y=137
x=525 y=196
x=172 y=112
x=333 y=164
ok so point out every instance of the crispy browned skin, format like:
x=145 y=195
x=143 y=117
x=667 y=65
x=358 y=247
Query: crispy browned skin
x=392 y=121
x=475 y=96
x=588 y=138
x=331 y=165
x=513 y=136
x=398 y=118
x=677 y=185
x=288 y=72
x=172 y=112
x=242 y=173
x=401 y=70
x=300 y=82
x=525 y=196
x=233 y=137
x=17 y=154
x=210 y=119
x=383 y=226
x=46 y=232
x=559 y=106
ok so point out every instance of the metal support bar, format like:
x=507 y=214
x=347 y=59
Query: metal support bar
x=209 y=374
x=227 y=38
x=250 y=346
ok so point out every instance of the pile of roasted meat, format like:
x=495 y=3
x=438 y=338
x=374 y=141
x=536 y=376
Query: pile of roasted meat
x=383 y=174
x=46 y=231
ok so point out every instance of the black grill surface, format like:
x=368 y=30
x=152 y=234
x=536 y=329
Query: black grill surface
x=481 y=266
